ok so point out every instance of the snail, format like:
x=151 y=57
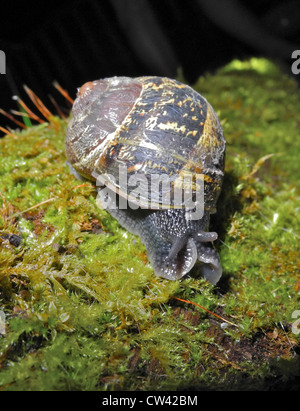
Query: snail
x=152 y=127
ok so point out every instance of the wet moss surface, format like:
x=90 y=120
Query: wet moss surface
x=80 y=306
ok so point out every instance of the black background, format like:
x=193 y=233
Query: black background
x=77 y=41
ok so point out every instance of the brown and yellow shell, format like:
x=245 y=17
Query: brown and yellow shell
x=150 y=125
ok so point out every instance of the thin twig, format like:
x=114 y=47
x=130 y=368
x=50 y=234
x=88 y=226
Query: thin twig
x=289 y=341
x=12 y=118
x=83 y=185
x=6 y=131
x=282 y=228
x=38 y=103
x=31 y=208
x=30 y=113
x=63 y=92
x=210 y=312
x=60 y=113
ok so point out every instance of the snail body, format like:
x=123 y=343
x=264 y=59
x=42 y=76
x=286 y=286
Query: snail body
x=152 y=127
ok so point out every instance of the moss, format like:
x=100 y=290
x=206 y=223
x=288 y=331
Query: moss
x=83 y=308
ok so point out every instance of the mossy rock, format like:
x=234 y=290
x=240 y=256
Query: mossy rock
x=81 y=308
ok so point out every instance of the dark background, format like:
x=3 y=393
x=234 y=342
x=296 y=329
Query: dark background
x=77 y=41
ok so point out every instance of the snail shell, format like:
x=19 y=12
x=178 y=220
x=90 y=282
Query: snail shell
x=152 y=126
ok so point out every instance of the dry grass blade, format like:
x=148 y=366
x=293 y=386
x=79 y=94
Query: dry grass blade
x=30 y=113
x=60 y=113
x=63 y=92
x=5 y=131
x=203 y=308
x=12 y=118
x=38 y=103
x=257 y=166
x=31 y=208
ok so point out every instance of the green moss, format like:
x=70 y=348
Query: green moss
x=83 y=308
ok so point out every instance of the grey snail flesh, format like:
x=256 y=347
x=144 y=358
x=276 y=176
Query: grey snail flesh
x=152 y=125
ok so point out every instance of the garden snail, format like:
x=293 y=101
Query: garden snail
x=152 y=126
